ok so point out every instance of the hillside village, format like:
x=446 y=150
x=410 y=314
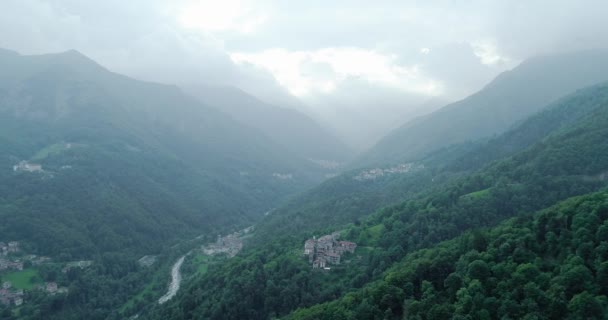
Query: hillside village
x=14 y=261
x=326 y=164
x=13 y=296
x=147 y=260
x=82 y=264
x=10 y=263
x=327 y=250
x=9 y=295
x=27 y=167
x=229 y=245
x=33 y=167
x=375 y=173
x=282 y=176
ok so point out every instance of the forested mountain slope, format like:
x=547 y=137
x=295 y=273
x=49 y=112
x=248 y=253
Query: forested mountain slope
x=294 y=130
x=508 y=99
x=552 y=265
x=125 y=165
x=272 y=279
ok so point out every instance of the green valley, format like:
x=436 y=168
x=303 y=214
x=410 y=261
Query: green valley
x=303 y=160
x=550 y=170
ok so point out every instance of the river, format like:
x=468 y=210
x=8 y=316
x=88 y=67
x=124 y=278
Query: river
x=176 y=274
x=176 y=279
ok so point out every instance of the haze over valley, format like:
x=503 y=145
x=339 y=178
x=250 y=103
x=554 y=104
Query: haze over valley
x=269 y=160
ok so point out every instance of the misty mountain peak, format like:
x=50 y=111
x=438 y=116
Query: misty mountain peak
x=75 y=59
x=6 y=52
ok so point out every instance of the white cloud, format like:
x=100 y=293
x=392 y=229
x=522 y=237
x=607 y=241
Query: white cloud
x=356 y=59
x=488 y=53
x=217 y=16
x=31 y=26
x=299 y=72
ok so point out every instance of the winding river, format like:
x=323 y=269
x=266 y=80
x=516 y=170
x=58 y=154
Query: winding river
x=176 y=279
x=176 y=274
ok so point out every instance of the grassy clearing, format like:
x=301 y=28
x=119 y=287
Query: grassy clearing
x=201 y=261
x=477 y=194
x=45 y=152
x=25 y=279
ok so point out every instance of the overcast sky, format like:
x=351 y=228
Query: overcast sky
x=362 y=66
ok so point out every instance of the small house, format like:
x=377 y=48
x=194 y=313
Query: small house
x=51 y=287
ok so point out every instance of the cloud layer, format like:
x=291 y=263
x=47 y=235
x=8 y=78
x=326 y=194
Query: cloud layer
x=359 y=65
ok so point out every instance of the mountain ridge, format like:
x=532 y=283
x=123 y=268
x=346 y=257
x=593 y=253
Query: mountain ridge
x=152 y=132
x=508 y=99
x=291 y=128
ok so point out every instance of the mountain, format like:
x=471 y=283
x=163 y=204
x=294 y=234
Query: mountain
x=96 y=162
x=294 y=130
x=507 y=100
x=271 y=279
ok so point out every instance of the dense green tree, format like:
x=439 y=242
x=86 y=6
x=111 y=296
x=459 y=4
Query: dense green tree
x=551 y=284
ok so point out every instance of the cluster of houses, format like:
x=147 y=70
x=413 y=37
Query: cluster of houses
x=11 y=247
x=147 y=260
x=12 y=258
x=9 y=295
x=282 y=176
x=76 y=264
x=379 y=172
x=10 y=261
x=327 y=250
x=5 y=262
x=27 y=167
x=230 y=245
x=326 y=164
x=52 y=288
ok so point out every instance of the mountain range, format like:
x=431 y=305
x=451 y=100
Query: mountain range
x=294 y=130
x=493 y=206
x=112 y=148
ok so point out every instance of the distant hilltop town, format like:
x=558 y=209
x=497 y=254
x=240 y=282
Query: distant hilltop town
x=326 y=164
x=229 y=245
x=327 y=250
x=283 y=176
x=27 y=167
x=379 y=172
